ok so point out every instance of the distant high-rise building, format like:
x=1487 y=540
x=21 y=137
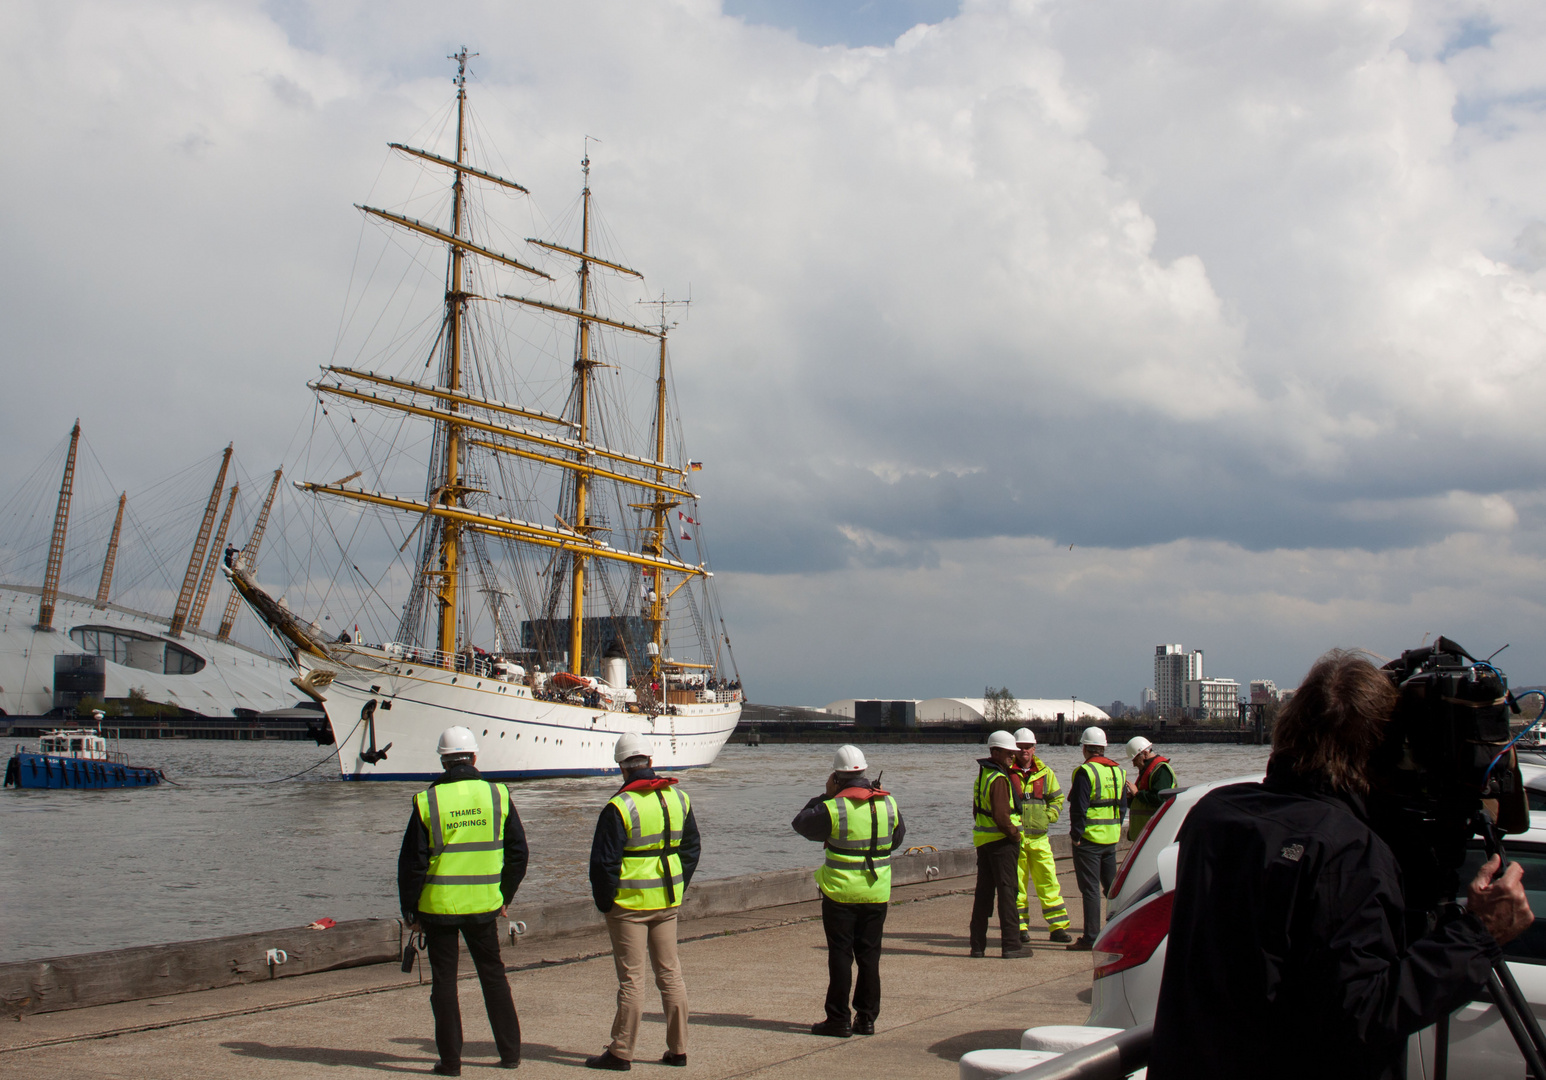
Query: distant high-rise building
x=1212 y=699
x=1263 y=691
x=1149 y=696
x=1174 y=667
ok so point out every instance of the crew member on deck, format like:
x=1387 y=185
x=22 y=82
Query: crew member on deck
x=463 y=856
x=642 y=859
x=860 y=827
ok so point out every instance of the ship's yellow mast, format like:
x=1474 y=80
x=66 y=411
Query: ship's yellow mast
x=662 y=511
x=456 y=307
x=582 y=365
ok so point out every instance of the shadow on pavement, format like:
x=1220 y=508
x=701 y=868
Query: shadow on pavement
x=481 y=1053
x=952 y=1048
x=385 y=1061
x=751 y=1023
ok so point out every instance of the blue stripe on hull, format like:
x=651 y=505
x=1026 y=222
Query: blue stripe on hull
x=522 y=774
x=45 y=772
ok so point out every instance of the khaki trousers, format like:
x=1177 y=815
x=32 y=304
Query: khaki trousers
x=635 y=936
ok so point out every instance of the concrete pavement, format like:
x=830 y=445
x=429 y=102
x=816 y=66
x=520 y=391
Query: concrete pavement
x=755 y=982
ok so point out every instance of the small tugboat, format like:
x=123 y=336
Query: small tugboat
x=75 y=758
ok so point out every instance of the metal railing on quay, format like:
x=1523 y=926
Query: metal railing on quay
x=1112 y=1058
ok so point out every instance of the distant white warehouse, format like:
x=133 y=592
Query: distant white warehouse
x=971 y=710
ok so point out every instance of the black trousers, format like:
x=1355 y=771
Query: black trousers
x=853 y=933
x=483 y=945
x=997 y=868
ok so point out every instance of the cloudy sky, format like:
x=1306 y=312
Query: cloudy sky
x=1025 y=335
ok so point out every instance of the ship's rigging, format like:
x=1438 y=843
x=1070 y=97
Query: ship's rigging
x=542 y=527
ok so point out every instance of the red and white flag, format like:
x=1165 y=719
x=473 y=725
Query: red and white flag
x=683 y=517
x=685 y=535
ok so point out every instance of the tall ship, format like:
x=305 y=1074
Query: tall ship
x=520 y=447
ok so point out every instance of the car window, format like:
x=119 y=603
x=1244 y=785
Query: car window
x=1537 y=798
x=1531 y=945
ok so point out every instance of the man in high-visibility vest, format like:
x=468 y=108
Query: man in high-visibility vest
x=1041 y=804
x=860 y=826
x=463 y=857
x=996 y=835
x=642 y=859
x=1095 y=804
x=1155 y=774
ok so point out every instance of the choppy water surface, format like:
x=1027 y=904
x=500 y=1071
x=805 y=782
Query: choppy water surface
x=224 y=853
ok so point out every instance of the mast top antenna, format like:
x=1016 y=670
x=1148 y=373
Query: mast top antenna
x=585 y=161
x=461 y=59
x=662 y=303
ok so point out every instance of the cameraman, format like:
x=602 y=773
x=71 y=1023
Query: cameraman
x=1288 y=955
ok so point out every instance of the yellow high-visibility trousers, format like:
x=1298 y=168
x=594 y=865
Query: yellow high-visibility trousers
x=1039 y=871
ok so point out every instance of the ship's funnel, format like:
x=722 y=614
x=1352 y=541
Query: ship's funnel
x=614 y=665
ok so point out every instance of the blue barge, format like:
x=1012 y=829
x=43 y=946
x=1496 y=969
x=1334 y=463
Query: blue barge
x=78 y=760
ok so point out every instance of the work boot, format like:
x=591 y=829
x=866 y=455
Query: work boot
x=442 y=1069
x=1025 y=937
x=1060 y=936
x=863 y=1025
x=832 y=1028
x=1083 y=944
x=606 y=1060
x=1011 y=954
x=668 y=1058
x=978 y=954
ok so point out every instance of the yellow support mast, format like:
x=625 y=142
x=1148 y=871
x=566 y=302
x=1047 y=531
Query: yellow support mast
x=51 y=573
x=248 y=557
x=212 y=562
x=582 y=366
x=456 y=306
x=106 y=584
x=200 y=545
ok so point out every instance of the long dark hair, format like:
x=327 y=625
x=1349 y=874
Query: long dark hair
x=1334 y=721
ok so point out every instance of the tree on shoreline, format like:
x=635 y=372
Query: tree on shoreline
x=1000 y=706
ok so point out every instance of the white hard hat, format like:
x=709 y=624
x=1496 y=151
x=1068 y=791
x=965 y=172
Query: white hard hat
x=1002 y=740
x=1025 y=737
x=1093 y=736
x=630 y=745
x=1138 y=746
x=849 y=759
x=457 y=740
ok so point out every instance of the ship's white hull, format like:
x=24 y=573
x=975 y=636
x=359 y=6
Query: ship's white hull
x=519 y=736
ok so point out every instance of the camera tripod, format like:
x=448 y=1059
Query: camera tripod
x=1512 y=1005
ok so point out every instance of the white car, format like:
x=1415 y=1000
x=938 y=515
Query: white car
x=1130 y=951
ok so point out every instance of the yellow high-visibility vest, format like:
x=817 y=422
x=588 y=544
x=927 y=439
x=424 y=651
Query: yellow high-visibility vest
x=858 y=866
x=1103 y=820
x=650 y=878
x=466 y=825
x=984 y=829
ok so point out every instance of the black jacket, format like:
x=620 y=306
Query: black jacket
x=606 y=849
x=413 y=860
x=1288 y=954
x=814 y=822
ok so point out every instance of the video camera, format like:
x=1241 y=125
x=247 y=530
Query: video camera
x=1445 y=771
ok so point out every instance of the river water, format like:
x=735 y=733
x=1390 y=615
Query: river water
x=223 y=852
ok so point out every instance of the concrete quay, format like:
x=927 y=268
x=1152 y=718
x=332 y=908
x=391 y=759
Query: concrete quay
x=755 y=980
